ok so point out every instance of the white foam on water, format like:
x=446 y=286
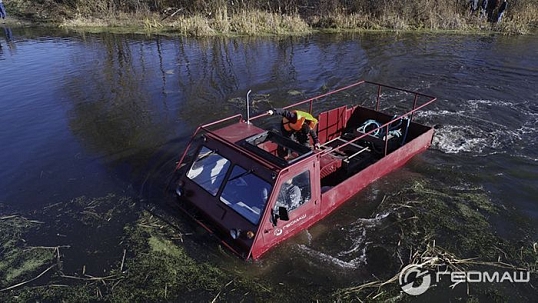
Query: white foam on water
x=478 y=139
x=357 y=235
x=370 y=222
x=358 y=243
x=435 y=113
x=464 y=130
x=328 y=259
x=309 y=236
x=529 y=158
x=355 y=255
x=476 y=104
x=453 y=139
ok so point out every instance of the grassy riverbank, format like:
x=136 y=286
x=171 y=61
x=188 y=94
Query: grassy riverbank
x=205 y=18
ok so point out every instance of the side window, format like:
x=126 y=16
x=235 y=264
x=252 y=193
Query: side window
x=294 y=192
x=246 y=193
x=209 y=170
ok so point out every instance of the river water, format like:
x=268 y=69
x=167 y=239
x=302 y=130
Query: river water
x=94 y=114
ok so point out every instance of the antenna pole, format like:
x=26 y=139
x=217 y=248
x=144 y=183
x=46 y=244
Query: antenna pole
x=248 y=107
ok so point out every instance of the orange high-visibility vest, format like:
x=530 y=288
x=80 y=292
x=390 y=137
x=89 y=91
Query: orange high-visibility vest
x=301 y=118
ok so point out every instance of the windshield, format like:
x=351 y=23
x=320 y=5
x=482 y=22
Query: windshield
x=208 y=170
x=246 y=193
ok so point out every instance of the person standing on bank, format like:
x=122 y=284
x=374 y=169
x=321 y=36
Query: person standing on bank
x=297 y=124
x=492 y=5
x=474 y=6
x=483 y=9
x=3 y=11
x=502 y=9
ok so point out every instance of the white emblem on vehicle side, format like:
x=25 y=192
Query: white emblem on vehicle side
x=278 y=231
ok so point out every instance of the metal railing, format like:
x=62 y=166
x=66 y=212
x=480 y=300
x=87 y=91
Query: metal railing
x=409 y=115
x=311 y=101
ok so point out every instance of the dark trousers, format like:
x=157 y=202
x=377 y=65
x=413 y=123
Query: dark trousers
x=298 y=136
x=2 y=11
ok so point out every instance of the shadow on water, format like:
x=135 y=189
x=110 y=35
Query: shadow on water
x=128 y=106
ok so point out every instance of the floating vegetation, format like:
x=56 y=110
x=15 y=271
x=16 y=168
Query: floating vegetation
x=18 y=261
x=161 y=264
x=114 y=249
x=293 y=92
x=146 y=259
x=258 y=102
x=424 y=217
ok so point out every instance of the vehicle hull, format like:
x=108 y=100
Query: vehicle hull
x=219 y=186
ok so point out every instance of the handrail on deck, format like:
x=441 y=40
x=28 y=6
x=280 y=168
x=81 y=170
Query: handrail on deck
x=379 y=86
x=408 y=115
x=311 y=102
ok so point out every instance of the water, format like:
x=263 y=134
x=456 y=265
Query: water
x=93 y=114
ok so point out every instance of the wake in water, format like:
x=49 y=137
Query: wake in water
x=484 y=127
x=350 y=252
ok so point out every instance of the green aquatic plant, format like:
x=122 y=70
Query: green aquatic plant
x=147 y=261
x=117 y=249
x=161 y=264
x=18 y=260
x=443 y=226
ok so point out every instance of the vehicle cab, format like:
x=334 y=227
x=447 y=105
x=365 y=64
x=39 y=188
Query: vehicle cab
x=238 y=188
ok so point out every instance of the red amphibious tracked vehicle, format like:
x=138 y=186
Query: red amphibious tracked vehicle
x=238 y=188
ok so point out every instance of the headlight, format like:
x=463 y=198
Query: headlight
x=235 y=233
x=179 y=188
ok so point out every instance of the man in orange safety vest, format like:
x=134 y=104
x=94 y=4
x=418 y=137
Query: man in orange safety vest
x=297 y=125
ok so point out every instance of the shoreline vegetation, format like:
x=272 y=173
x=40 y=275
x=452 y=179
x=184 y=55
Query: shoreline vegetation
x=199 y=18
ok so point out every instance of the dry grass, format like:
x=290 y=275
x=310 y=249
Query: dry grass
x=431 y=258
x=203 y=18
x=524 y=20
x=118 y=19
x=243 y=23
x=257 y=21
x=425 y=14
x=196 y=25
